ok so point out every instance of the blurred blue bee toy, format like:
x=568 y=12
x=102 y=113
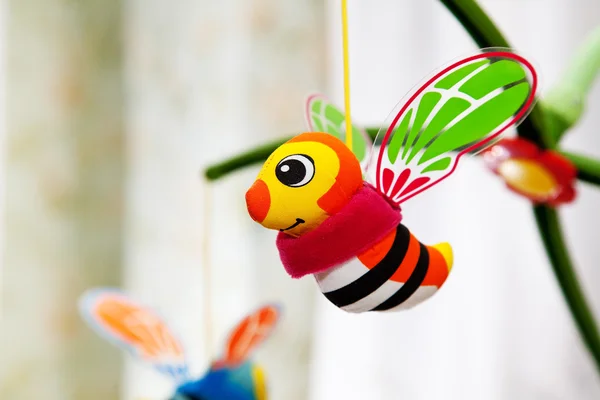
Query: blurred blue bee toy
x=141 y=332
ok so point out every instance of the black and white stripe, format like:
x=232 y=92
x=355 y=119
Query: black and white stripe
x=355 y=288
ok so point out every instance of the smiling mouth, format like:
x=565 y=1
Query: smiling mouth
x=298 y=222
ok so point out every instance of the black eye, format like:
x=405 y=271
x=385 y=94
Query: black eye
x=296 y=170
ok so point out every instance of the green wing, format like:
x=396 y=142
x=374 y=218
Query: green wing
x=322 y=116
x=463 y=108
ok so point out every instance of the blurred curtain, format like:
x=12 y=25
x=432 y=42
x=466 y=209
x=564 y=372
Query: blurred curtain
x=499 y=329
x=113 y=110
x=63 y=177
x=206 y=80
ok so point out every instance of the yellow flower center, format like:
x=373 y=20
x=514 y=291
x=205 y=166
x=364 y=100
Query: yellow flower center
x=528 y=177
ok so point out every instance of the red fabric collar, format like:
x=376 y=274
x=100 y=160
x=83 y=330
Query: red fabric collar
x=367 y=218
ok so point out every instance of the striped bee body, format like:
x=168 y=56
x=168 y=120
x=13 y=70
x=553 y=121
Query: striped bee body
x=396 y=273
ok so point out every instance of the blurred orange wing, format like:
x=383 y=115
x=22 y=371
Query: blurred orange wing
x=249 y=334
x=134 y=328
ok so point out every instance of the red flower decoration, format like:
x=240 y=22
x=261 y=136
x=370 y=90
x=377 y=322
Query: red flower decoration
x=543 y=176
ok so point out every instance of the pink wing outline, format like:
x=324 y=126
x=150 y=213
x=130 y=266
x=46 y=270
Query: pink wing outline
x=395 y=182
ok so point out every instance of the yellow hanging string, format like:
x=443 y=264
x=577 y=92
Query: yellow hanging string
x=346 y=74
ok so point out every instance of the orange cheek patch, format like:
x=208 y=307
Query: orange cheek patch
x=348 y=181
x=333 y=201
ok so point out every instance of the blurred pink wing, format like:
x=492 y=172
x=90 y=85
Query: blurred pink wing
x=134 y=328
x=252 y=331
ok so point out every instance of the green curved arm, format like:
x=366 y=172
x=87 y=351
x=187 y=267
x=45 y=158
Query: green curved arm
x=549 y=223
x=565 y=101
x=247 y=159
x=588 y=169
x=486 y=34
x=483 y=31
x=254 y=156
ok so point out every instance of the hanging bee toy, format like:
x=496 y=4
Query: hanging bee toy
x=139 y=331
x=345 y=230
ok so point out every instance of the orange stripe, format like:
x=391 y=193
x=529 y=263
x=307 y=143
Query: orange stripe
x=375 y=254
x=438 y=270
x=409 y=263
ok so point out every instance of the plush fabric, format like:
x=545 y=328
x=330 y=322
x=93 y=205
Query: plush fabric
x=367 y=218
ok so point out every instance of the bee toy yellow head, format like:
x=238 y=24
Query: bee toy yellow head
x=304 y=181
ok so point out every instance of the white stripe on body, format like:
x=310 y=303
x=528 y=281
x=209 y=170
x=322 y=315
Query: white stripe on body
x=340 y=276
x=380 y=295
